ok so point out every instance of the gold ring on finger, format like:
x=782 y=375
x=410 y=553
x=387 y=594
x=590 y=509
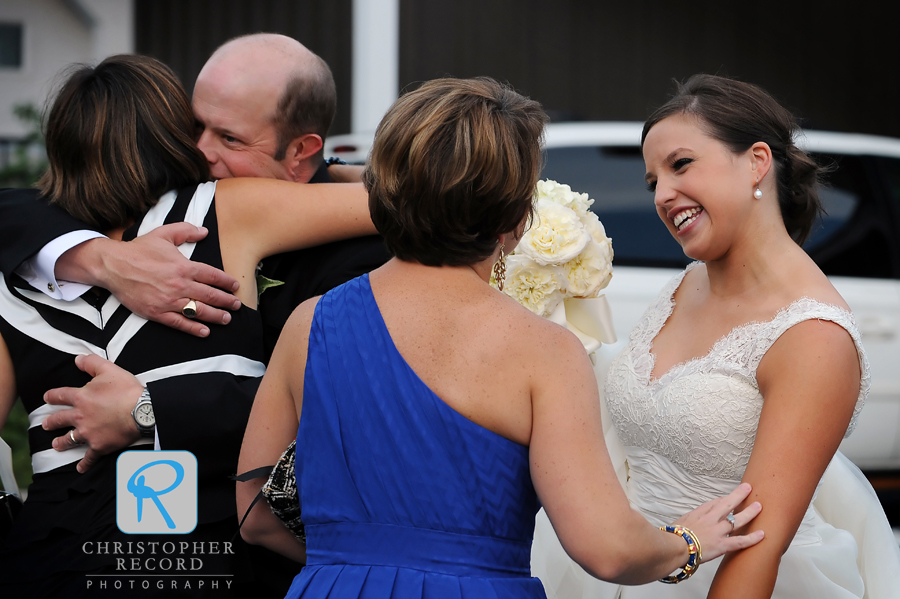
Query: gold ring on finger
x=190 y=309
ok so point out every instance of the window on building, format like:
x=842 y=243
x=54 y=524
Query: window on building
x=10 y=45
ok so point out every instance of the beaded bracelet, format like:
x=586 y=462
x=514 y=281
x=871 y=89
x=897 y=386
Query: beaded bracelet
x=693 y=550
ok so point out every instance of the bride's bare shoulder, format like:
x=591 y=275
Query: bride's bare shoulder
x=811 y=282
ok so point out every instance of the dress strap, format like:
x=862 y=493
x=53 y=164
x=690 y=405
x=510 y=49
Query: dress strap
x=801 y=310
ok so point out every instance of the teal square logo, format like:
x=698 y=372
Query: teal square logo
x=156 y=492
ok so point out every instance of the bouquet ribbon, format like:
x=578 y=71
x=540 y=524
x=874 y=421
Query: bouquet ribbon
x=590 y=319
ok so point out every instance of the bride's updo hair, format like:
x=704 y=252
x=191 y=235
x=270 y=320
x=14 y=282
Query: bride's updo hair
x=740 y=114
x=454 y=165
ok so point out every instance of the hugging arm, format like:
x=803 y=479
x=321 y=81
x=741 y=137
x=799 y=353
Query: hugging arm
x=578 y=487
x=810 y=382
x=148 y=275
x=263 y=217
x=28 y=223
x=272 y=426
x=203 y=413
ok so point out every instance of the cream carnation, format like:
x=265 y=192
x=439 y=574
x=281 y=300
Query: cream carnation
x=562 y=194
x=589 y=272
x=539 y=288
x=556 y=236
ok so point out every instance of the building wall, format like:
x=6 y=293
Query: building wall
x=183 y=33
x=57 y=33
x=835 y=64
x=52 y=38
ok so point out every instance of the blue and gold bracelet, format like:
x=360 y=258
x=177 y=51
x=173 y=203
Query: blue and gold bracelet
x=693 y=550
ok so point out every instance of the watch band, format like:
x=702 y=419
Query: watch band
x=144 y=399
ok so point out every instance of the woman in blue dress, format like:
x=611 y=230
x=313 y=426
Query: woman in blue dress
x=433 y=415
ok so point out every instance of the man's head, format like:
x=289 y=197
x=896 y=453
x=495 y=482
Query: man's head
x=264 y=104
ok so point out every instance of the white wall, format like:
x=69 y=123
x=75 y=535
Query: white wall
x=376 y=62
x=55 y=34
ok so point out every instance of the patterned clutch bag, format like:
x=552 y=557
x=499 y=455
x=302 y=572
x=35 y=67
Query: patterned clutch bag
x=281 y=492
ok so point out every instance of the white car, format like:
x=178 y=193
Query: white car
x=857 y=245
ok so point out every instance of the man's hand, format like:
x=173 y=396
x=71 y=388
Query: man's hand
x=153 y=279
x=101 y=410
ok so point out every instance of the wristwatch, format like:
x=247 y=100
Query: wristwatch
x=143 y=414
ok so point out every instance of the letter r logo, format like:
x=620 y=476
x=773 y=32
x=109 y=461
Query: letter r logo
x=156 y=492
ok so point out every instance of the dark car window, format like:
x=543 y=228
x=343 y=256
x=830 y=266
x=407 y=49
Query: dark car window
x=851 y=239
x=889 y=169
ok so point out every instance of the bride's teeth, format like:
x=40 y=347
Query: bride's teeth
x=685 y=217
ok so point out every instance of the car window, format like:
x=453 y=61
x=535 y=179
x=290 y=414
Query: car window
x=614 y=178
x=851 y=239
x=890 y=171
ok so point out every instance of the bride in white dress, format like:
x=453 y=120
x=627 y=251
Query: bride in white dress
x=748 y=367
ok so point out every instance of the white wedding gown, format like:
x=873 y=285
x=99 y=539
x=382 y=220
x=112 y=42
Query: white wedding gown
x=686 y=438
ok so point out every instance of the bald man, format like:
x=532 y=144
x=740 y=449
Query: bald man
x=264 y=104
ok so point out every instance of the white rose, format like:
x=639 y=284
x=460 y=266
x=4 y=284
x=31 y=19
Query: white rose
x=538 y=288
x=589 y=272
x=562 y=194
x=556 y=236
x=594 y=227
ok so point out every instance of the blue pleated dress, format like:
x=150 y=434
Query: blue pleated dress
x=402 y=496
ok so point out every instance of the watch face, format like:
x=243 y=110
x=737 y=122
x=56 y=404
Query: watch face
x=144 y=415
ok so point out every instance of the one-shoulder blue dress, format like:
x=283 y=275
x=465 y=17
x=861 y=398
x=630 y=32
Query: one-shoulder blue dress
x=402 y=496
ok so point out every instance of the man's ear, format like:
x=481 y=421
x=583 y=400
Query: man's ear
x=301 y=150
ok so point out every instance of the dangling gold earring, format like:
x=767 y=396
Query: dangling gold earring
x=499 y=270
x=758 y=193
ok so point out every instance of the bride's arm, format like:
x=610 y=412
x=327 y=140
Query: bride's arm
x=272 y=426
x=810 y=382
x=578 y=488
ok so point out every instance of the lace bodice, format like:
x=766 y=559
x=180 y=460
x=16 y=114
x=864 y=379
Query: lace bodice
x=702 y=414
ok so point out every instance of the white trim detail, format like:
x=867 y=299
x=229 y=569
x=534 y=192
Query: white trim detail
x=27 y=320
x=230 y=363
x=156 y=216
x=49 y=459
x=128 y=330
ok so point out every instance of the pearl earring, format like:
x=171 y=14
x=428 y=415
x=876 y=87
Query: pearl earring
x=758 y=193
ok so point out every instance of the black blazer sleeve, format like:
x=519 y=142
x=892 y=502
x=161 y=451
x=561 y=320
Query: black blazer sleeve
x=28 y=223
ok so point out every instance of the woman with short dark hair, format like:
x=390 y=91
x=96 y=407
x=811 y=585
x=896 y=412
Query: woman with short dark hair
x=123 y=160
x=434 y=415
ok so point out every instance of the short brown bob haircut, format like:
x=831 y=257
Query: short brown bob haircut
x=454 y=164
x=118 y=136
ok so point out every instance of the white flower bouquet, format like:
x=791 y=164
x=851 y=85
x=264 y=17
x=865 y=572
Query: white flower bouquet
x=565 y=255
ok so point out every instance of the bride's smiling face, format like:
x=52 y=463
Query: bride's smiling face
x=702 y=190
